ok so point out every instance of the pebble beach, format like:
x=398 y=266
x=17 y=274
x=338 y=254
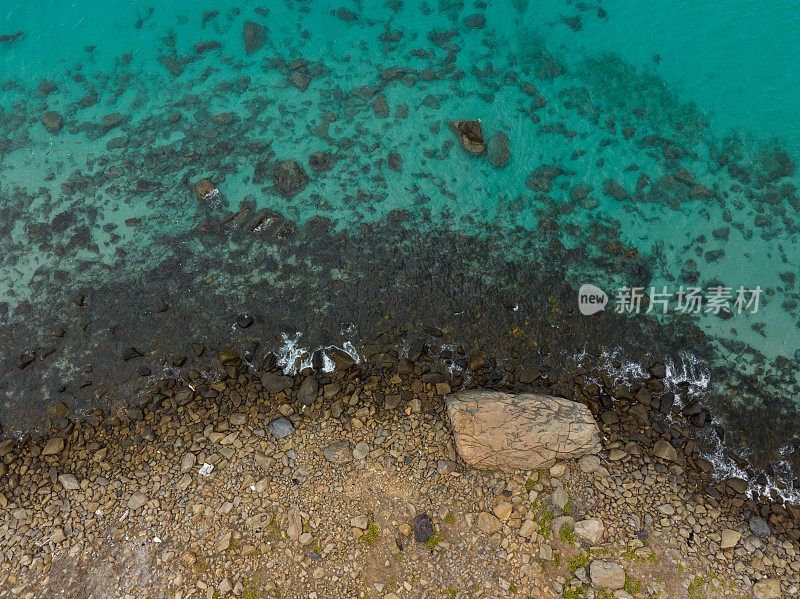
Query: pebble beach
x=350 y=485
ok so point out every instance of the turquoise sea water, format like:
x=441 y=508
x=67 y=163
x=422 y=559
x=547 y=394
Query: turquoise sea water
x=662 y=144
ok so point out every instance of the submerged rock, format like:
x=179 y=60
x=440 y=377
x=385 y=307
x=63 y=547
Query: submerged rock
x=254 y=36
x=346 y=15
x=300 y=80
x=394 y=161
x=497 y=149
x=470 y=135
x=203 y=47
x=173 y=65
x=11 y=37
x=52 y=121
x=321 y=161
x=380 y=106
x=289 y=178
x=495 y=430
x=46 y=87
x=541 y=178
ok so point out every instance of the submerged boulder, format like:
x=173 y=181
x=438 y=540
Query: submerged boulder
x=53 y=122
x=541 y=178
x=470 y=135
x=321 y=161
x=497 y=149
x=501 y=431
x=254 y=36
x=289 y=178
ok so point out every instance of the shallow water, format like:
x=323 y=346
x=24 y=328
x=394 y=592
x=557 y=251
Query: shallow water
x=671 y=149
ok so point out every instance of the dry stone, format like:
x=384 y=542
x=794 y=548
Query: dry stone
x=495 y=430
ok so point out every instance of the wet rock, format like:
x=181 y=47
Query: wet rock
x=281 y=427
x=394 y=161
x=131 y=353
x=665 y=451
x=53 y=122
x=341 y=359
x=26 y=359
x=338 y=453
x=423 y=528
x=607 y=574
x=205 y=190
x=254 y=36
x=541 y=178
x=321 y=161
x=759 y=527
x=228 y=357
x=470 y=135
x=497 y=149
x=244 y=321
x=53 y=446
x=309 y=388
x=275 y=383
x=289 y=178
x=502 y=431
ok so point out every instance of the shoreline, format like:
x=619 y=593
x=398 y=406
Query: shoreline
x=239 y=407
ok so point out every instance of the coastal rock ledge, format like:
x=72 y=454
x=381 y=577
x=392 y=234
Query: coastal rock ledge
x=501 y=431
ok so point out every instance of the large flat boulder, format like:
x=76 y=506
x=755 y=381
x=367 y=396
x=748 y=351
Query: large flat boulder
x=500 y=431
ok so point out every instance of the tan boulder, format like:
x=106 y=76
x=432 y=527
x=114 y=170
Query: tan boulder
x=205 y=190
x=767 y=588
x=730 y=538
x=500 y=431
x=470 y=135
x=489 y=523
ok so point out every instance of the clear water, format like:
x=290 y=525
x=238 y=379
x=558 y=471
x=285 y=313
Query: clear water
x=603 y=91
